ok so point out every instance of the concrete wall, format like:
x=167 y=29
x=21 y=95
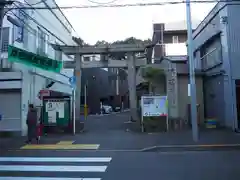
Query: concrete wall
x=184 y=99
x=233 y=12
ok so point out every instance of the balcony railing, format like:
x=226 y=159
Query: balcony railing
x=211 y=58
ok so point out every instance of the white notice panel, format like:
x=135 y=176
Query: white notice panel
x=154 y=106
x=52 y=117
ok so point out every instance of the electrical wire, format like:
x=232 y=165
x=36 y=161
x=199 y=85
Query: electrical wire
x=128 y=5
x=33 y=8
x=36 y=22
x=34 y=3
x=32 y=31
x=105 y=3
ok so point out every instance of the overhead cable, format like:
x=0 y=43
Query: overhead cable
x=126 y=5
x=102 y=3
x=31 y=30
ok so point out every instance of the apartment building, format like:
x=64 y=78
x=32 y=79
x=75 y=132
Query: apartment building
x=170 y=55
x=33 y=30
x=217 y=52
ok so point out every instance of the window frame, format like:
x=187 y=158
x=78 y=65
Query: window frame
x=175 y=41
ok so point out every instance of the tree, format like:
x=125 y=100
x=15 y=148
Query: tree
x=79 y=41
x=101 y=43
x=152 y=74
x=130 y=40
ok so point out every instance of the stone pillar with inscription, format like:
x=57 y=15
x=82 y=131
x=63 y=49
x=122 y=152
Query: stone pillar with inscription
x=172 y=90
x=78 y=75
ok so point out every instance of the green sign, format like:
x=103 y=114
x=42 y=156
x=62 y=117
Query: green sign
x=28 y=58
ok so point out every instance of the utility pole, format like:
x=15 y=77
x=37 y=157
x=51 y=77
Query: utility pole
x=2 y=5
x=85 y=102
x=194 y=119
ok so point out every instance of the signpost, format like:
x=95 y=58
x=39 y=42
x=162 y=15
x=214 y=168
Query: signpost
x=72 y=81
x=30 y=59
x=154 y=106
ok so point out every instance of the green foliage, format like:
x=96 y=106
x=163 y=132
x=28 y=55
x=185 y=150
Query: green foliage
x=131 y=40
x=79 y=41
x=117 y=56
x=151 y=73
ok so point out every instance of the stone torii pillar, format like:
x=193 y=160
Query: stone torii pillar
x=131 y=62
x=77 y=99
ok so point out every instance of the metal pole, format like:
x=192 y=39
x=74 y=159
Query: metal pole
x=117 y=83
x=74 y=111
x=85 y=102
x=194 y=120
x=1 y=29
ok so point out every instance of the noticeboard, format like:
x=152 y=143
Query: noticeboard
x=154 y=106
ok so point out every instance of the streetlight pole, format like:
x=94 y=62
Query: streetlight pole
x=1 y=27
x=194 y=120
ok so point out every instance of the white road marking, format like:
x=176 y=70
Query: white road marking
x=45 y=178
x=31 y=168
x=55 y=159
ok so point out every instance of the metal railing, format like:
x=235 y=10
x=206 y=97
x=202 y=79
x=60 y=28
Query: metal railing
x=212 y=58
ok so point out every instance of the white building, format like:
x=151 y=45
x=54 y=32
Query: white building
x=20 y=84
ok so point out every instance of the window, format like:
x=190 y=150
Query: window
x=32 y=36
x=86 y=58
x=19 y=31
x=175 y=39
x=46 y=41
x=42 y=42
x=5 y=39
x=211 y=54
x=58 y=55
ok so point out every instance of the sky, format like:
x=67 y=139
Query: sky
x=111 y=24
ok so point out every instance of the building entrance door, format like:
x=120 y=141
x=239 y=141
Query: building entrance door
x=237 y=82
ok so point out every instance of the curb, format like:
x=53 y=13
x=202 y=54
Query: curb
x=201 y=147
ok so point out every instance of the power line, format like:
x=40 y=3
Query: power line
x=44 y=1
x=32 y=31
x=36 y=22
x=126 y=5
x=105 y=3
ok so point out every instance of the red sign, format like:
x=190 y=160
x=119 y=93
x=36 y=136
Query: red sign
x=44 y=92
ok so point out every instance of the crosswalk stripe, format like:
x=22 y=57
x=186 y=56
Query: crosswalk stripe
x=81 y=168
x=45 y=178
x=25 y=168
x=55 y=159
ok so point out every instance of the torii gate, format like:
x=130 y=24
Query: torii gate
x=130 y=63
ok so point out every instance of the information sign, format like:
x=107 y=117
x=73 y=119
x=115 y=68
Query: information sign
x=154 y=106
x=30 y=59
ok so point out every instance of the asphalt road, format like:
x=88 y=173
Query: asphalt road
x=117 y=159
x=199 y=165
